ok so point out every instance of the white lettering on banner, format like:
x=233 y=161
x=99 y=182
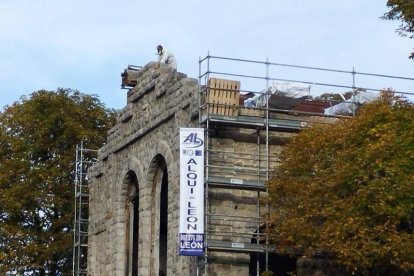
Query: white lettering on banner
x=192 y=219
x=236 y=181
x=191 y=191
x=237 y=244
x=191 y=245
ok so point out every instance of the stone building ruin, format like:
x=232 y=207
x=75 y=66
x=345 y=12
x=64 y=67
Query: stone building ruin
x=134 y=186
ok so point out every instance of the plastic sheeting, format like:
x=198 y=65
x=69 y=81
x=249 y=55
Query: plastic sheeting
x=282 y=95
x=350 y=106
x=290 y=89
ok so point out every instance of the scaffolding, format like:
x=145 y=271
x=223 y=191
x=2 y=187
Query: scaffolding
x=84 y=158
x=242 y=145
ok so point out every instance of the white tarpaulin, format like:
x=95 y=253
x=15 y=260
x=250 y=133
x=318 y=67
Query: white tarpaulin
x=350 y=106
x=284 y=94
x=191 y=230
x=290 y=89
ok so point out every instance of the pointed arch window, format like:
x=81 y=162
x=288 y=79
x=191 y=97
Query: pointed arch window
x=132 y=225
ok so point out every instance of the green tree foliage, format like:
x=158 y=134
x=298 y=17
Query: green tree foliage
x=348 y=189
x=402 y=10
x=38 y=137
x=334 y=97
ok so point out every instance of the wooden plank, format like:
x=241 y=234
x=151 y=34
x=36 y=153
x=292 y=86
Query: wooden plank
x=217 y=97
x=214 y=96
x=247 y=111
x=223 y=96
x=233 y=95
x=211 y=92
x=129 y=78
x=227 y=97
x=217 y=94
x=235 y=98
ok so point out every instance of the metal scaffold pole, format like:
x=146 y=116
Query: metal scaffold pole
x=81 y=211
x=239 y=165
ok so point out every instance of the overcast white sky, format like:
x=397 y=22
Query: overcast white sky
x=86 y=44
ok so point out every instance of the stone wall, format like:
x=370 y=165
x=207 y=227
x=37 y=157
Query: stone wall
x=144 y=139
x=235 y=214
x=144 y=144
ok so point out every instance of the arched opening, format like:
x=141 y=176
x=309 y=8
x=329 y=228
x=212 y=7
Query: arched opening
x=159 y=178
x=280 y=265
x=163 y=224
x=132 y=224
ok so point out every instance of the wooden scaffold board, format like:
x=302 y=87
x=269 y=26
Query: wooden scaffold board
x=223 y=96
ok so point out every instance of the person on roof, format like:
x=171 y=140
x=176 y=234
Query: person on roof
x=166 y=57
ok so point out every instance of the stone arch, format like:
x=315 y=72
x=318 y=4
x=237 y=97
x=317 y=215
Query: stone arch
x=131 y=223
x=127 y=175
x=158 y=177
